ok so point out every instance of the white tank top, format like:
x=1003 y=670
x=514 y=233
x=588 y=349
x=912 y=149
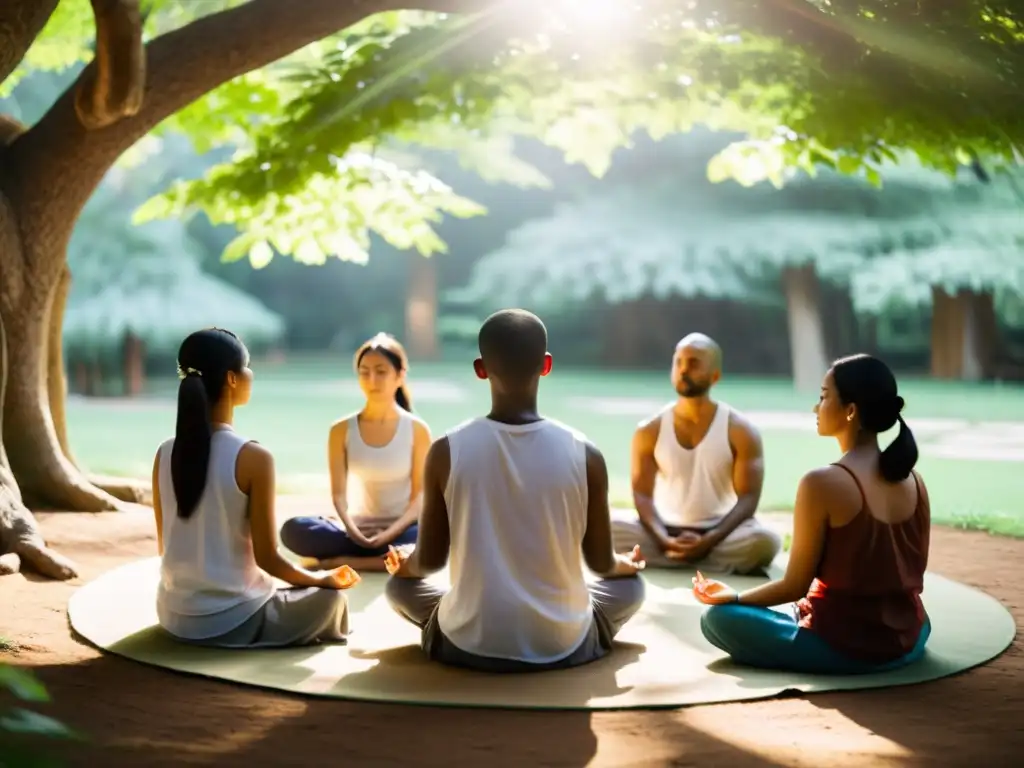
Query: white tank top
x=379 y=481
x=694 y=486
x=517 y=512
x=209 y=580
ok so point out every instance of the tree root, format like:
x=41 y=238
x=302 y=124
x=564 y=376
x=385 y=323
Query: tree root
x=124 y=488
x=113 y=86
x=47 y=562
x=56 y=484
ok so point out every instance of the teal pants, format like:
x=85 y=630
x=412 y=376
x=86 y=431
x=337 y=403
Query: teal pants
x=771 y=638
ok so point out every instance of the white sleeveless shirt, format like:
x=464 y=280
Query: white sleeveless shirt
x=379 y=481
x=209 y=580
x=693 y=486
x=517 y=512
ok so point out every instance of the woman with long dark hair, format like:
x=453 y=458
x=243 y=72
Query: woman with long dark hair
x=376 y=458
x=213 y=495
x=850 y=601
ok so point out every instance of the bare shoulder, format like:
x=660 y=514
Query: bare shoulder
x=647 y=430
x=420 y=428
x=741 y=424
x=339 y=429
x=742 y=432
x=254 y=456
x=439 y=458
x=829 y=481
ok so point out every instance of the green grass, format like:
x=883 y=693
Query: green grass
x=293 y=404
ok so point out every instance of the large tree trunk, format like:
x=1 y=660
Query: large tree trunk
x=47 y=477
x=964 y=335
x=806 y=330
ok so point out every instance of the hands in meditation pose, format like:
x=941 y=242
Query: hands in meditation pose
x=850 y=600
x=697 y=474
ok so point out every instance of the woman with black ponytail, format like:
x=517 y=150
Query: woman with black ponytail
x=850 y=601
x=213 y=495
x=376 y=458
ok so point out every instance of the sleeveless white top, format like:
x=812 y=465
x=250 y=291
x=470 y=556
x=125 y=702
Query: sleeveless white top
x=379 y=481
x=694 y=486
x=210 y=583
x=517 y=512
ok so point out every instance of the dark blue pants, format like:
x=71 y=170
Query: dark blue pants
x=772 y=639
x=323 y=539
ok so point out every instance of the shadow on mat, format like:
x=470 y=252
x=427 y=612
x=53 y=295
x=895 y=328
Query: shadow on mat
x=136 y=715
x=402 y=669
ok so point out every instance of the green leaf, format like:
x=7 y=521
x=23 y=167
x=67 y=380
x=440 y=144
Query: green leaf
x=849 y=164
x=26 y=722
x=22 y=684
x=260 y=254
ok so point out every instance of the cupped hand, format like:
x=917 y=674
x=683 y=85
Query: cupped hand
x=344 y=577
x=629 y=565
x=396 y=559
x=713 y=592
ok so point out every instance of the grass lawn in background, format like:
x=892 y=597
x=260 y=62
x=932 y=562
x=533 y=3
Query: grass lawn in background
x=971 y=436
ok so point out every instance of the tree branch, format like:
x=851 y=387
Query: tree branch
x=21 y=21
x=114 y=87
x=59 y=162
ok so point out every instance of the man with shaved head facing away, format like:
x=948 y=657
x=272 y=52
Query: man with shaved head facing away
x=519 y=504
x=697 y=473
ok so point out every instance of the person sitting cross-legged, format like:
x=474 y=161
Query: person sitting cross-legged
x=697 y=473
x=519 y=503
x=850 y=601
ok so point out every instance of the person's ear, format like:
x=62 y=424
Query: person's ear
x=851 y=412
x=231 y=379
x=545 y=369
x=715 y=377
x=478 y=368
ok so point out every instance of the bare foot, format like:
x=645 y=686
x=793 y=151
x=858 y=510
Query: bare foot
x=9 y=564
x=47 y=562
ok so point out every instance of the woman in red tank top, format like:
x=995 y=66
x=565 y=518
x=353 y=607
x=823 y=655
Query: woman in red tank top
x=850 y=601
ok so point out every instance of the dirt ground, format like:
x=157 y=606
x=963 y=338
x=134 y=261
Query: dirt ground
x=140 y=716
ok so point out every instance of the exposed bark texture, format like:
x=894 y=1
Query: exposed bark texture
x=113 y=87
x=21 y=21
x=806 y=330
x=56 y=380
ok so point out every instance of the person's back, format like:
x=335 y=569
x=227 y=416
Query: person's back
x=866 y=598
x=208 y=567
x=517 y=504
x=213 y=504
x=517 y=510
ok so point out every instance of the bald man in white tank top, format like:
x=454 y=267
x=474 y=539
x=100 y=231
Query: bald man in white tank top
x=697 y=474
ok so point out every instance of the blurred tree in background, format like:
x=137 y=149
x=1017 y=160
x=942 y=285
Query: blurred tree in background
x=320 y=138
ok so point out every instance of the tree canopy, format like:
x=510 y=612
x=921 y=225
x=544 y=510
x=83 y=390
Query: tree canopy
x=676 y=234
x=845 y=85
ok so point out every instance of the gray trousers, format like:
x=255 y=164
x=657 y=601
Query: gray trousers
x=749 y=548
x=615 y=602
x=294 y=616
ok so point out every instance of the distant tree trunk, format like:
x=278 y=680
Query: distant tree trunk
x=421 y=309
x=806 y=330
x=964 y=335
x=134 y=360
